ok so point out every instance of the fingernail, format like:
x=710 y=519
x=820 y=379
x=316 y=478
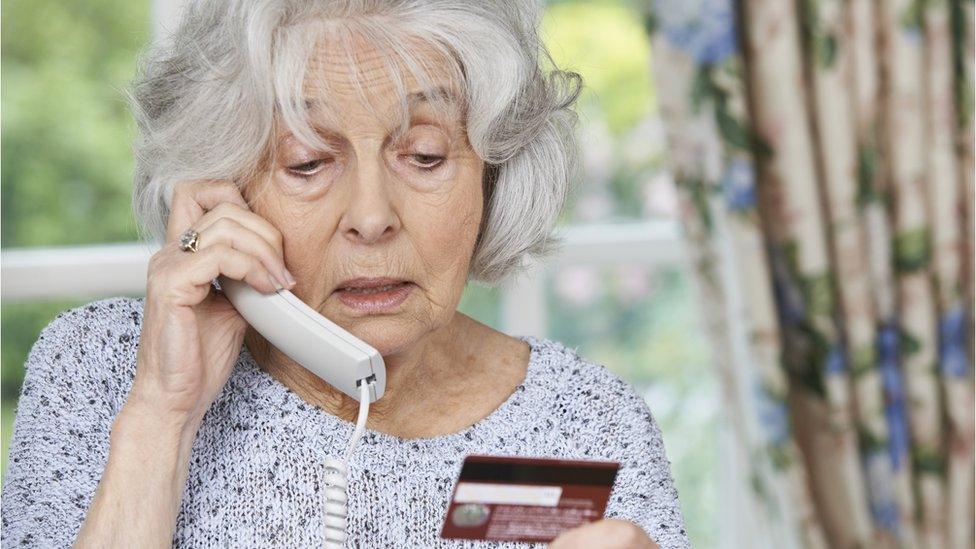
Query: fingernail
x=291 y=279
x=274 y=282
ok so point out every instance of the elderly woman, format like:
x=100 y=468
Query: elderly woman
x=371 y=157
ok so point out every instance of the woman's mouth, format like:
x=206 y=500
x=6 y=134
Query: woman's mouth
x=374 y=296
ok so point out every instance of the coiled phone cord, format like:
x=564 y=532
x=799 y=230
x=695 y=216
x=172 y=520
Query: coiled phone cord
x=337 y=479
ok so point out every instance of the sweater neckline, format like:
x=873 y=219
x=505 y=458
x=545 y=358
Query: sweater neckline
x=317 y=424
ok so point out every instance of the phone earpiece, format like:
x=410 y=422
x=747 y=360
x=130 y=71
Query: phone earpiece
x=321 y=346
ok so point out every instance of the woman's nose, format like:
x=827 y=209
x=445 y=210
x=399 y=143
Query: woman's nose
x=370 y=216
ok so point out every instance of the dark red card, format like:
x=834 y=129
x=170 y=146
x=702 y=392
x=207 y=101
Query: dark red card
x=506 y=498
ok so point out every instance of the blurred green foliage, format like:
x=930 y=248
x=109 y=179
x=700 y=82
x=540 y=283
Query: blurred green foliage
x=66 y=132
x=607 y=44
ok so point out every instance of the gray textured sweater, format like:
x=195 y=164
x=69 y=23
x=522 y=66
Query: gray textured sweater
x=256 y=464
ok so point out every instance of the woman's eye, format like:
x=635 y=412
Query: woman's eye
x=307 y=169
x=426 y=161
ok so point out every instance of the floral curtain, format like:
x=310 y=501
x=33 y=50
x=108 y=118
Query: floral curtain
x=823 y=152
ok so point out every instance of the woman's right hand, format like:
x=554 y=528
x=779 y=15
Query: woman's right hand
x=191 y=336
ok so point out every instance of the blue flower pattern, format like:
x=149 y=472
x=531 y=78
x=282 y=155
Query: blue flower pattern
x=836 y=362
x=774 y=416
x=888 y=341
x=739 y=186
x=953 y=359
x=704 y=29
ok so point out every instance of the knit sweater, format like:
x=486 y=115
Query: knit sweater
x=256 y=467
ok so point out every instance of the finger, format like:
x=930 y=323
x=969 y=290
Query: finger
x=221 y=259
x=248 y=219
x=229 y=231
x=193 y=198
x=573 y=537
x=185 y=278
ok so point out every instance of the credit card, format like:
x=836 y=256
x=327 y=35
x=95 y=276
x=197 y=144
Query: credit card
x=526 y=499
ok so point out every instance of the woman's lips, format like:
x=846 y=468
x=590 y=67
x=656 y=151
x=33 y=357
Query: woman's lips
x=376 y=300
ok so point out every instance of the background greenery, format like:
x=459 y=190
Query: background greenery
x=66 y=180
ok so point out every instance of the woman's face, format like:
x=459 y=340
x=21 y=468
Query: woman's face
x=385 y=203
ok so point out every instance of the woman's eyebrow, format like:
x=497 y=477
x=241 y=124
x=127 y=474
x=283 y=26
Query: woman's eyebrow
x=438 y=94
x=447 y=99
x=444 y=103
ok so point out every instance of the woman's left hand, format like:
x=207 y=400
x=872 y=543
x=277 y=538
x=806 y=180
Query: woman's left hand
x=605 y=534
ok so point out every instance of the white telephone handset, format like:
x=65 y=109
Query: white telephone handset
x=323 y=347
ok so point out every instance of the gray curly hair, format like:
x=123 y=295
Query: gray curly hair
x=207 y=101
